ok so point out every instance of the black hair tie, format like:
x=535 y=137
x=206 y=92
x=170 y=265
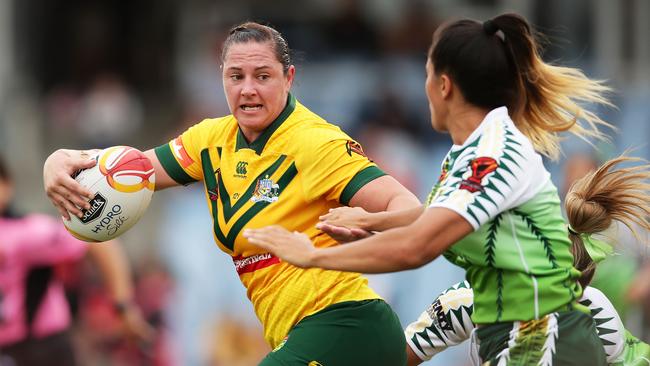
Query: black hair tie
x=490 y=28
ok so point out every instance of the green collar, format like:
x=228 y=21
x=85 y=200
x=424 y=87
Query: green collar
x=260 y=142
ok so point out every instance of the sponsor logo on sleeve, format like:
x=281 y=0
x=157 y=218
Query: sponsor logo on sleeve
x=181 y=154
x=437 y=313
x=480 y=168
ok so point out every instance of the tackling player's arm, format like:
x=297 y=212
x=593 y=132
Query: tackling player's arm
x=66 y=194
x=379 y=205
x=394 y=250
x=384 y=193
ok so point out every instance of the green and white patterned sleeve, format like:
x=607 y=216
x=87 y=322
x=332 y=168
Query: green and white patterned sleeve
x=446 y=322
x=608 y=324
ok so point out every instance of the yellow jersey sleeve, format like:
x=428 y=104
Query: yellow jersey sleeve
x=333 y=166
x=181 y=157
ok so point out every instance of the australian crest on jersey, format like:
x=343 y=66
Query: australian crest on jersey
x=265 y=191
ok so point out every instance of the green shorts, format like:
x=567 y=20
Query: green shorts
x=559 y=339
x=351 y=333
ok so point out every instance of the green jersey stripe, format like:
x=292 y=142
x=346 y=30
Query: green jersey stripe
x=229 y=241
x=212 y=188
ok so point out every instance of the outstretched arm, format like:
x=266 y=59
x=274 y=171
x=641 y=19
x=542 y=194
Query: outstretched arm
x=357 y=217
x=384 y=194
x=394 y=250
x=378 y=197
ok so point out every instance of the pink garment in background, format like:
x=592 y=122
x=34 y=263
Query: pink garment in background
x=26 y=242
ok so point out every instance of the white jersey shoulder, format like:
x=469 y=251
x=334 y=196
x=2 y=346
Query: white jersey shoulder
x=496 y=169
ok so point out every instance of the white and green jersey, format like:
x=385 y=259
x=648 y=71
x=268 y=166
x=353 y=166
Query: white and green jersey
x=517 y=259
x=446 y=323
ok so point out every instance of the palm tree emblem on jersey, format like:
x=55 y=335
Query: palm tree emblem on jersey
x=265 y=191
x=480 y=168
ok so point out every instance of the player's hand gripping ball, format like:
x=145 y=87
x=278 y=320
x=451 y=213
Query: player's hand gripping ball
x=122 y=182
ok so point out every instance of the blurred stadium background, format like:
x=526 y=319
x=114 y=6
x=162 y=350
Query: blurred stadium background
x=96 y=73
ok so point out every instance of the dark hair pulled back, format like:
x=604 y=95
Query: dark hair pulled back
x=256 y=32
x=498 y=63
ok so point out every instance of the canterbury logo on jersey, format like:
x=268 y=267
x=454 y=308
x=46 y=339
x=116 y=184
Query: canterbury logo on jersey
x=254 y=262
x=240 y=169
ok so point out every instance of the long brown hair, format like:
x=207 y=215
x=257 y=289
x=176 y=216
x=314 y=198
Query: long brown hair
x=498 y=63
x=603 y=196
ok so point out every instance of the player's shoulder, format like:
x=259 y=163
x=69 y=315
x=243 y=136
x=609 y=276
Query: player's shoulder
x=500 y=141
x=212 y=129
x=215 y=123
x=311 y=128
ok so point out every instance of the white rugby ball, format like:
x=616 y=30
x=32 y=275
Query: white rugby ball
x=122 y=182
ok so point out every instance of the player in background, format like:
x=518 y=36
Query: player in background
x=494 y=210
x=34 y=312
x=273 y=161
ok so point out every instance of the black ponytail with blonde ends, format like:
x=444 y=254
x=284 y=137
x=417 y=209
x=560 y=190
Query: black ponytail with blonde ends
x=493 y=71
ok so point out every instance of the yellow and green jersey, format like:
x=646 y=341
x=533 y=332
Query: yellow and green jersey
x=299 y=168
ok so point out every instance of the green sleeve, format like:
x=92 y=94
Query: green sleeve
x=171 y=166
x=362 y=178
